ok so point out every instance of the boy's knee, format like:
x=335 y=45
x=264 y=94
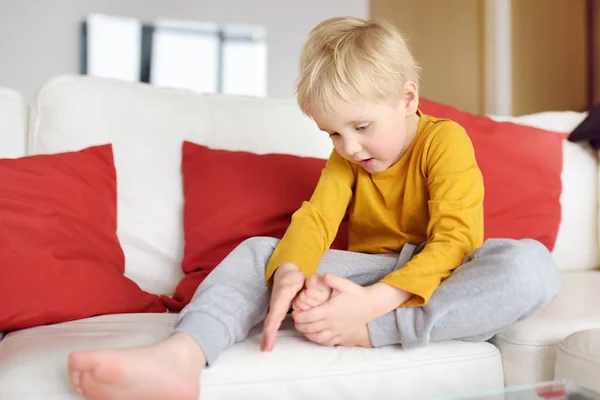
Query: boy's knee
x=255 y=253
x=529 y=263
x=531 y=253
x=533 y=258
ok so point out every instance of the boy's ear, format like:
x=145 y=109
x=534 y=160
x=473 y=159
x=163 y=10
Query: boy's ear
x=411 y=98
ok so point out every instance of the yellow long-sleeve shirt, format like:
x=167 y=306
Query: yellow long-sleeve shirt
x=433 y=194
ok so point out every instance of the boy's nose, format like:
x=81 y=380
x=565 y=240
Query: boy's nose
x=351 y=147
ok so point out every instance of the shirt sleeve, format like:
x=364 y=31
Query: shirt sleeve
x=314 y=226
x=455 y=205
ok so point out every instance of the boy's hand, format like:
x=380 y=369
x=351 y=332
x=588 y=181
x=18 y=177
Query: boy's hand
x=359 y=338
x=287 y=282
x=341 y=320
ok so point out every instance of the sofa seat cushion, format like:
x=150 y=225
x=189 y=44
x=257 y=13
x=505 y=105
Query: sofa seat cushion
x=529 y=347
x=296 y=369
x=578 y=359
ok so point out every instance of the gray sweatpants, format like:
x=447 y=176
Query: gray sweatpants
x=499 y=284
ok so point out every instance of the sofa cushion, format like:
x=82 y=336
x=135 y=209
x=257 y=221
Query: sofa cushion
x=13 y=124
x=578 y=359
x=522 y=186
x=60 y=258
x=231 y=196
x=578 y=227
x=147 y=126
x=529 y=347
x=295 y=369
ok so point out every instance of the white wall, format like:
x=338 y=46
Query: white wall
x=40 y=39
x=498 y=62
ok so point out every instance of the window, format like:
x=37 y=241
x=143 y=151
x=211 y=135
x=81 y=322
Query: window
x=203 y=57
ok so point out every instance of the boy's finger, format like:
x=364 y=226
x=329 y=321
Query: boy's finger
x=320 y=337
x=312 y=327
x=270 y=329
x=280 y=305
x=314 y=314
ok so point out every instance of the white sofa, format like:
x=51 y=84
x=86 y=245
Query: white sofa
x=146 y=126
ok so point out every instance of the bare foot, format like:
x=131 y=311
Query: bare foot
x=315 y=293
x=287 y=282
x=166 y=370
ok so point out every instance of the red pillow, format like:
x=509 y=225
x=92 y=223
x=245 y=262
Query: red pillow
x=60 y=258
x=521 y=167
x=231 y=196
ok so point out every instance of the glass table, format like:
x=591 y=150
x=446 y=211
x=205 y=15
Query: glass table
x=557 y=390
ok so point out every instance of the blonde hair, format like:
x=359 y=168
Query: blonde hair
x=353 y=60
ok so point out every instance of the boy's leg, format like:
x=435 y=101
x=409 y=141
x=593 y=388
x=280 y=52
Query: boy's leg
x=506 y=281
x=499 y=284
x=225 y=307
x=232 y=299
x=235 y=297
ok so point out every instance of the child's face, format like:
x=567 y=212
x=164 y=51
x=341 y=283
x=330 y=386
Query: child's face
x=373 y=135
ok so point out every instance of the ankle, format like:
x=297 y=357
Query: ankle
x=186 y=347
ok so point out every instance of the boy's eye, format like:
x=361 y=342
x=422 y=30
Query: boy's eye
x=363 y=127
x=334 y=134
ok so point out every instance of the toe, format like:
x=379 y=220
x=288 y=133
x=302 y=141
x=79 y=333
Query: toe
x=303 y=306
x=81 y=361
x=85 y=383
x=75 y=377
x=297 y=305
x=93 y=389
x=316 y=297
x=312 y=280
x=322 y=288
x=108 y=372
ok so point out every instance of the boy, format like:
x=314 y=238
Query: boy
x=417 y=269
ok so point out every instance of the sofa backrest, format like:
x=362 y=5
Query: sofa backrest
x=147 y=125
x=13 y=124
